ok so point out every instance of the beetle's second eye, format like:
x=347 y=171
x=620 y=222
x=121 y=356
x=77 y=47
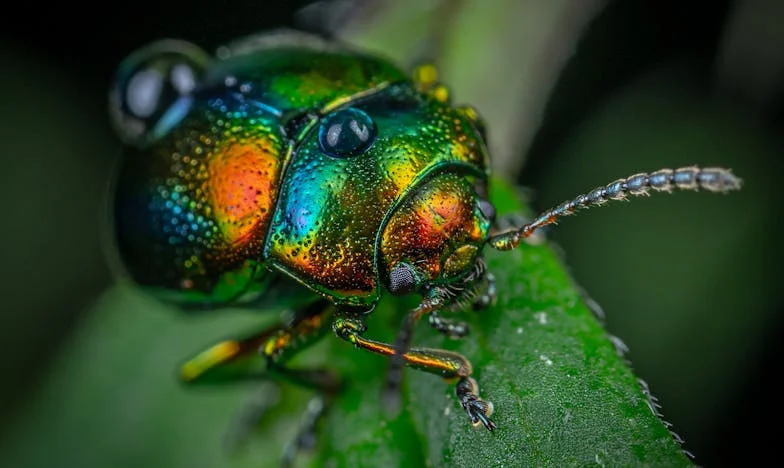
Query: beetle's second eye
x=152 y=87
x=346 y=133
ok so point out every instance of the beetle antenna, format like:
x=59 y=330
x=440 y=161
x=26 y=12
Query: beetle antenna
x=713 y=179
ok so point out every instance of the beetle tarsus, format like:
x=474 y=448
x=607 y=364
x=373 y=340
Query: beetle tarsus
x=478 y=410
x=450 y=328
x=488 y=295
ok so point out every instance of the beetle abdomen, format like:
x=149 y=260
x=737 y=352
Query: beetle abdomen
x=193 y=209
x=242 y=168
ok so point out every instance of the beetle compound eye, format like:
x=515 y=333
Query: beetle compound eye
x=346 y=133
x=152 y=89
x=402 y=279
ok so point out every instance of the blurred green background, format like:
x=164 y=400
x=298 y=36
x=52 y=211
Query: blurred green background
x=576 y=94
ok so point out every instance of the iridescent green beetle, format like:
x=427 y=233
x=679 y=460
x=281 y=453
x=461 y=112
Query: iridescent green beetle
x=289 y=157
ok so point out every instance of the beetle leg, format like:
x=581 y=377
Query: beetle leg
x=250 y=416
x=477 y=288
x=488 y=295
x=450 y=328
x=306 y=436
x=266 y=396
x=447 y=364
x=263 y=356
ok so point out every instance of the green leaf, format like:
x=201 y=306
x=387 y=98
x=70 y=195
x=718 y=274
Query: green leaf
x=562 y=394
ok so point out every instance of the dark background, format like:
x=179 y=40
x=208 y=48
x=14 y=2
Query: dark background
x=707 y=338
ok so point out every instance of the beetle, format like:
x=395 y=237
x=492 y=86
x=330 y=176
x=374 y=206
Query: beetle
x=297 y=171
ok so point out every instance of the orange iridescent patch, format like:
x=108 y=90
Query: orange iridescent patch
x=242 y=188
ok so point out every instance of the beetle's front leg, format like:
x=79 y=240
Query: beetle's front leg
x=447 y=364
x=477 y=289
x=480 y=292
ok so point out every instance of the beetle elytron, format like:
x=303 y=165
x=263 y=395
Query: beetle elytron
x=293 y=158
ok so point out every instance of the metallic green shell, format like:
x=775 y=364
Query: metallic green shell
x=238 y=189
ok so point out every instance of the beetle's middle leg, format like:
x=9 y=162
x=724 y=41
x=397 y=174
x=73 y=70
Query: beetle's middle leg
x=447 y=364
x=263 y=355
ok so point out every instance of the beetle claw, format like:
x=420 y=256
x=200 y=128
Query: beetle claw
x=479 y=412
x=477 y=409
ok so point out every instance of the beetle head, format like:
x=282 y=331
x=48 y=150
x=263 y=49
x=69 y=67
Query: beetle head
x=434 y=236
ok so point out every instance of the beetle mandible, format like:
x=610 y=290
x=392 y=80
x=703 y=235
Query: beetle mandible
x=289 y=157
